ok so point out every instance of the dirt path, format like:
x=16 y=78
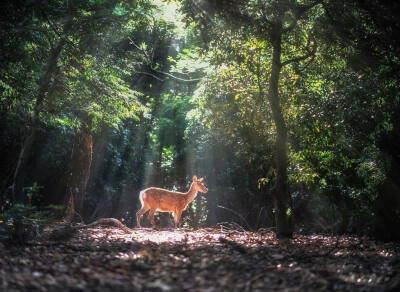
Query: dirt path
x=106 y=259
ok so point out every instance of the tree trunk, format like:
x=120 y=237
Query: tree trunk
x=387 y=204
x=78 y=174
x=280 y=191
x=21 y=168
x=180 y=162
x=26 y=147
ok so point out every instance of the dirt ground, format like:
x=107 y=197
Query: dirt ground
x=210 y=259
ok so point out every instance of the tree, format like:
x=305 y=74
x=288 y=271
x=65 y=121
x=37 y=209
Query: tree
x=43 y=87
x=78 y=87
x=281 y=23
x=369 y=34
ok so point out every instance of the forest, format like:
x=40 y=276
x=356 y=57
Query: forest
x=266 y=132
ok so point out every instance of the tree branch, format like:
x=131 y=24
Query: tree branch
x=149 y=60
x=31 y=28
x=140 y=49
x=149 y=74
x=299 y=11
x=260 y=6
x=175 y=77
x=311 y=53
x=57 y=32
x=297 y=59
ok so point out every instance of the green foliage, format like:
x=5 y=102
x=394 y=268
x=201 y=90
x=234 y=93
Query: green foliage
x=170 y=90
x=334 y=105
x=97 y=93
x=21 y=223
x=197 y=213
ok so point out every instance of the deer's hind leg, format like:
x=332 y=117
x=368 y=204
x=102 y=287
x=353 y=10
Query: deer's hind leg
x=140 y=213
x=151 y=216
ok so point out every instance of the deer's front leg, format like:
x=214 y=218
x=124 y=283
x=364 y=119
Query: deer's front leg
x=177 y=218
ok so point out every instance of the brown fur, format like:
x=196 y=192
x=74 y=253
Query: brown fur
x=156 y=199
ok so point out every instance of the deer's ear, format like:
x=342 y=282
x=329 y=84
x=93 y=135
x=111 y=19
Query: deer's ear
x=201 y=180
x=194 y=178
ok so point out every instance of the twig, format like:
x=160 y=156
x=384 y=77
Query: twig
x=237 y=214
x=230 y=226
x=259 y=216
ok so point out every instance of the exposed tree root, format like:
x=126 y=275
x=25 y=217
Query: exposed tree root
x=67 y=231
x=109 y=221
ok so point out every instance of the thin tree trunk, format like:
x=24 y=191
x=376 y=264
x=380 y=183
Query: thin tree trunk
x=180 y=161
x=26 y=147
x=280 y=191
x=20 y=169
x=78 y=174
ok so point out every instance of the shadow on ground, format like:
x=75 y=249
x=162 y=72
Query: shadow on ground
x=106 y=259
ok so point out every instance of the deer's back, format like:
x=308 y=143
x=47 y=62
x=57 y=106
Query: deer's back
x=163 y=200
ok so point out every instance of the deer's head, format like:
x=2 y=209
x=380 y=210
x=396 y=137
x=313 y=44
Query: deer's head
x=199 y=185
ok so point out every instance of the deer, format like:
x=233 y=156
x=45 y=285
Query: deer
x=157 y=199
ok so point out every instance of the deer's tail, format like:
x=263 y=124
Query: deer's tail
x=141 y=197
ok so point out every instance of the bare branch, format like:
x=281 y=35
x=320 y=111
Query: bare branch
x=149 y=74
x=237 y=214
x=176 y=77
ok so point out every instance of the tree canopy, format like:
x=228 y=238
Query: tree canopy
x=288 y=109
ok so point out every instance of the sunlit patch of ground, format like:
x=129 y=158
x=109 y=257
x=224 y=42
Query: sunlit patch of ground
x=106 y=258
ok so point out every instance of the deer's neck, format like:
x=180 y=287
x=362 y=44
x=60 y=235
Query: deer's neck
x=191 y=195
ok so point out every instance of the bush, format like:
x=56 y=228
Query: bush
x=21 y=222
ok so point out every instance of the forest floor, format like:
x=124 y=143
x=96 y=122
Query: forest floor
x=107 y=259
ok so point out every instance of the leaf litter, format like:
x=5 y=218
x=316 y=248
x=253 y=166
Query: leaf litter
x=209 y=259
